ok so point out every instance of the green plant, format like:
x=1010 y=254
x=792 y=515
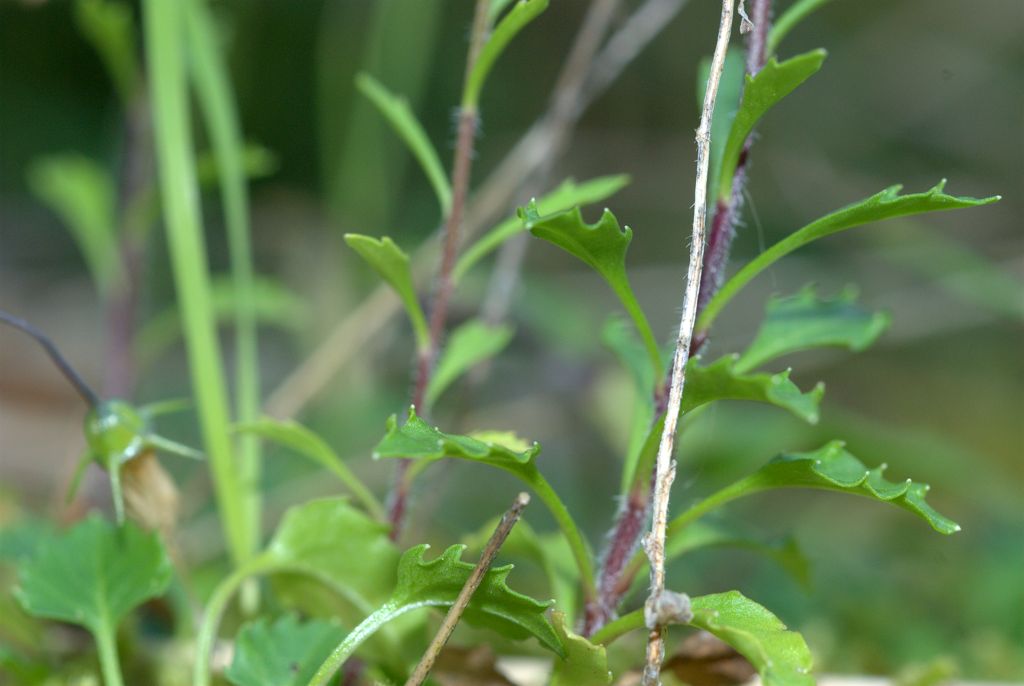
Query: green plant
x=344 y=559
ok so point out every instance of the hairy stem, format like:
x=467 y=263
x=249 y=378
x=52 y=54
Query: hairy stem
x=461 y=169
x=665 y=469
x=502 y=531
x=728 y=209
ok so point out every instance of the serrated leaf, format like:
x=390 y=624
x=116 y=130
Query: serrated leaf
x=437 y=583
x=338 y=545
x=884 y=205
x=521 y=14
x=548 y=551
x=388 y=260
x=722 y=380
x=830 y=467
x=803 y=321
x=780 y=656
x=602 y=246
x=274 y=305
x=110 y=28
x=568 y=194
x=400 y=116
x=761 y=92
x=286 y=652
x=94 y=574
x=584 y=664
x=418 y=440
x=82 y=194
x=789 y=19
x=468 y=345
x=303 y=441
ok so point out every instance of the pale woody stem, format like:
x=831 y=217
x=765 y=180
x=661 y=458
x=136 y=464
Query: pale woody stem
x=654 y=543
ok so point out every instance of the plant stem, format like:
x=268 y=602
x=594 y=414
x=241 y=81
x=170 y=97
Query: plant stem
x=727 y=209
x=106 y=645
x=577 y=544
x=620 y=627
x=213 y=88
x=165 y=32
x=461 y=169
x=215 y=607
x=355 y=638
x=665 y=470
x=502 y=531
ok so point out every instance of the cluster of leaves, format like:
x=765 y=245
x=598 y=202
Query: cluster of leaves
x=333 y=560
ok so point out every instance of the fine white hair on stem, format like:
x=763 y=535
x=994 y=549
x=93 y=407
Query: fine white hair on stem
x=654 y=542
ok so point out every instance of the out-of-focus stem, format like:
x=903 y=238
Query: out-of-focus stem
x=461 y=170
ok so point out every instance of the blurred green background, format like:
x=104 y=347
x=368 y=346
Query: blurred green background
x=912 y=91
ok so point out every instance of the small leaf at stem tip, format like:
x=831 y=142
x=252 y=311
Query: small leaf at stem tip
x=286 y=652
x=805 y=320
x=761 y=92
x=392 y=264
x=438 y=582
x=521 y=14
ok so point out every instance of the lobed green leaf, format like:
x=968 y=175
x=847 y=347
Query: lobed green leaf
x=468 y=345
x=286 y=652
x=388 y=260
x=830 y=467
x=781 y=657
x=400 y=116
x=338 y=545
x=761 y=92
x=568 y=194
x=803 y=321
x=94 y=574
x=884 y=205
x=521 y=14
x=438 y=582
x=722 y=380
x=603 y=247
x=418 y=440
